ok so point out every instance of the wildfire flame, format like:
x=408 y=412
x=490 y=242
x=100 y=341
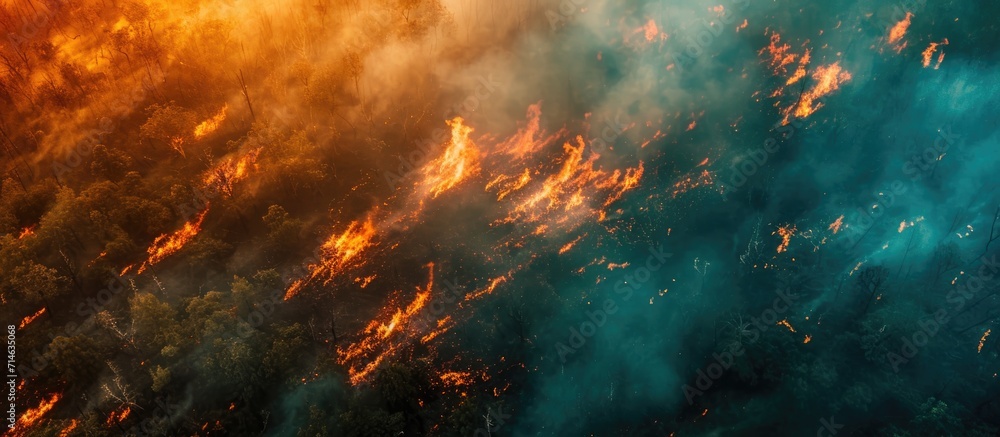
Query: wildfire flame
x=120 y=417
x=225 y=175
x=69 y=428
x=785 y=232
x=835 y=226
x=166 y=245
x=982 y=340
x=26 y=232
x=828 y=79
x=928 y=53
x=212 y=124
x=338 y=252
x=384 y=336
x=898 y=31
x=27 y=320
x=33 y=416
x=459 y=161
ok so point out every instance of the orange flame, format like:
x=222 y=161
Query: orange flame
x=166 y=245
x=212 y=124
x=459 y=161
x=32 y=416
x=779 y=55
x=114 y=418
x=225 y=175
x=928 y=53
x=828 y=79
x=69 y=428
x=338 y=252
x=378 y=337
x=650 y=30
x=785 y=232
x=982 y=340
x=835 y=226
x=898 y=31
x=27 y=320
x=786 y=324
x=26 y=232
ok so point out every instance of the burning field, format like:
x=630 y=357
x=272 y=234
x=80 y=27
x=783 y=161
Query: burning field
x=475 y=217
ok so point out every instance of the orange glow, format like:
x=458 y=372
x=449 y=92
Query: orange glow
x=807 y=339
x=835 y=226
x=26 y=232
x=982 y=340
x=898 y=31
x=785 y=232
x=33 y=416
x=27 y=320
x=166 y=245
x=212 y=124
x=651 y=31
x=569 y=246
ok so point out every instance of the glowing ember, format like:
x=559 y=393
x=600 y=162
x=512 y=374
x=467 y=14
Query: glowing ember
x=807 y=339
x=982 y=340
x=691 y=181
x=27 y=320
x=898 y=31
x=26 y=232
x=452 y=379
x=212 y=124
x=69 y=428
x=166 y=245
x=779 y=55
x=114 y=418
x=786 y=324
x=785 y=232
x=835 y=226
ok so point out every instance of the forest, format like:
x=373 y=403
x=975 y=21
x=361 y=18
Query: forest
x=492 y=218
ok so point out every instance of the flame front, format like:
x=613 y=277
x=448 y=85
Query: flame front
x=212 y=124
x=27 y=320
x=166 y=245
x=33 y=416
